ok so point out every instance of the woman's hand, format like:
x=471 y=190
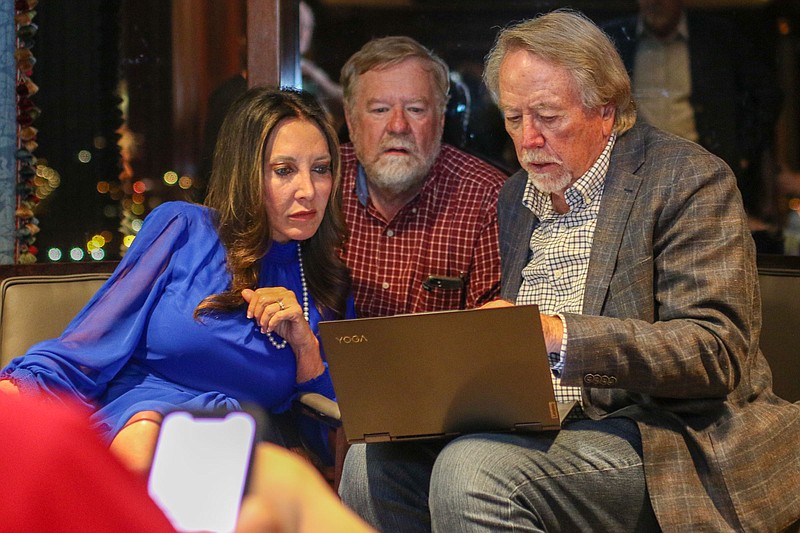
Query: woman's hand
x=276 y=309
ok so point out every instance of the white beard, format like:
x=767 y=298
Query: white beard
x=400 y=173
x=546 y=183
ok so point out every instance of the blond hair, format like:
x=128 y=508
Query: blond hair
x=570 y=40
x=389 y=51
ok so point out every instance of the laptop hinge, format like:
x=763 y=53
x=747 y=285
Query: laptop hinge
x=426 y=436
x=376 y=437
x=528 y=426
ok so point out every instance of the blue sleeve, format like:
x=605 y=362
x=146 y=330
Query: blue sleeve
x=314 y=433
x=322 y=384
x=109 y=329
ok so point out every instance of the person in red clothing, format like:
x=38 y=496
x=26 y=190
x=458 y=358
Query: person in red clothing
x=58 y=476
x=415 y=207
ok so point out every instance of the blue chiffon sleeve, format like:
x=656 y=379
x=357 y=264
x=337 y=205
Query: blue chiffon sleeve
x=109 y=329
x=315 y=434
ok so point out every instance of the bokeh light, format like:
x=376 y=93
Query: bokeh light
x=76 y=254
x=171 y=177
x=97 y=242
x=54 y=254
x=46 y=180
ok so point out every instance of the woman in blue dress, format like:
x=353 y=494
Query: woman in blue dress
x=215 y=305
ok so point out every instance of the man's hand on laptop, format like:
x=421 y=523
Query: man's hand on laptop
x=553 y=330
x=496 y=303
x=552 y=327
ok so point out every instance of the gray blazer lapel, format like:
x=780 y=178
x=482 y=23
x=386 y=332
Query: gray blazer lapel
x=516 y=225
x=619 y=191
x=621 y=187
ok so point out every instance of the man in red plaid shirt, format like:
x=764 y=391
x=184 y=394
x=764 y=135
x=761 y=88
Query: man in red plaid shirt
x=422 y=214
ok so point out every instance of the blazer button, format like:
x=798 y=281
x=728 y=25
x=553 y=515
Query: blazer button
x=600 y=380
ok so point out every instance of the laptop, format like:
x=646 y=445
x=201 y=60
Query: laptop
x=441 y=374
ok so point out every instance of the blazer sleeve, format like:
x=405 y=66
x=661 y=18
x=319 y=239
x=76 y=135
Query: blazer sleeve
x=680 y=317
x=111 y=327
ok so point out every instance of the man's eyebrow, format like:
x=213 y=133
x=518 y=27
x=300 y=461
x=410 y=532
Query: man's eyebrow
x=404 y=101
x=539 y=106
x=419 y=99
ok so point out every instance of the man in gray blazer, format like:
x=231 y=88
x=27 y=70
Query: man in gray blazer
x=635 y=245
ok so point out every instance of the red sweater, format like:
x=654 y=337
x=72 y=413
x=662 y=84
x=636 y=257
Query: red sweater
x=58 y=476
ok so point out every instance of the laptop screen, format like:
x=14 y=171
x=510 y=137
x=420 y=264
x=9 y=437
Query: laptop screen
x=438 y=374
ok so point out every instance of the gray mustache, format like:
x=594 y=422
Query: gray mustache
x=532 y=157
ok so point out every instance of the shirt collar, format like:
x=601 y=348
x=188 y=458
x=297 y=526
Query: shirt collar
x=580 y=194
x=362 y=191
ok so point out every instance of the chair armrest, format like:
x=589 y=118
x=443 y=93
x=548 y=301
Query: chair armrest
x=321 y=408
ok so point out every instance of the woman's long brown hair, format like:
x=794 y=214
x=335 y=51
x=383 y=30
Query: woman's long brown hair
x=237 y=198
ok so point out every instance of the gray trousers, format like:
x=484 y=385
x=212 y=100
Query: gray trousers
x=587 y=477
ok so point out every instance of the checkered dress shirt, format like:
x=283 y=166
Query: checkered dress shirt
x=448 y=229
x=555 y=276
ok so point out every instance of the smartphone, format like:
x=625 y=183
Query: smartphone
x=200 y=468
x=442 y=282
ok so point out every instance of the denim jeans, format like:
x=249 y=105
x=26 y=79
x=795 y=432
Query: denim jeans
x=587 y=477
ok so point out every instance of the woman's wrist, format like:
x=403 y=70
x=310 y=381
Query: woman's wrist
x=309 y=362
x=309 y=371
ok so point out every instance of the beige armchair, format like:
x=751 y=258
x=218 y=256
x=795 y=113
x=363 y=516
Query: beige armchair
x=38 y=305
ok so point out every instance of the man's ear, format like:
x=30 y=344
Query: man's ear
x=607 y=113
x=347 y=119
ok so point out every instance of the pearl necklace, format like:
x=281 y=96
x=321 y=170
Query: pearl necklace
x=281 y=345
